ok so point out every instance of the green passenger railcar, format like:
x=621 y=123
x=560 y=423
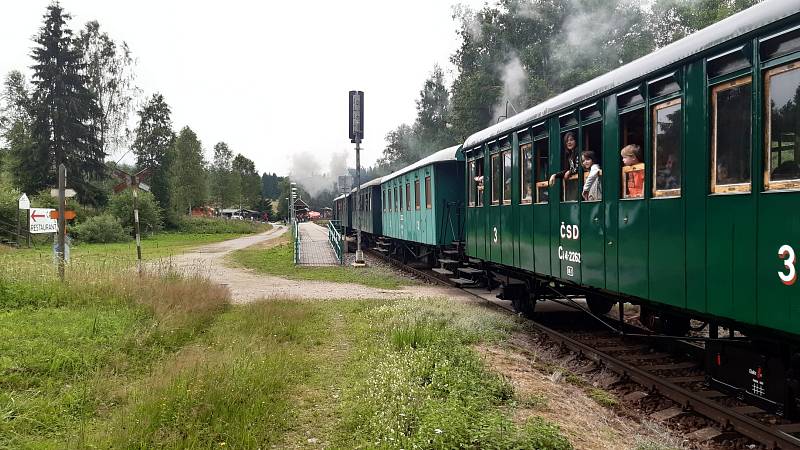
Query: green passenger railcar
x=367 y=213
x=423 y=203
x=702 y=220
x=342 y=211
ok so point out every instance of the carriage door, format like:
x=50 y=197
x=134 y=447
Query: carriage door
x=541 y=208
x=523 y=238
x=592 y=221
x=569 y=227
x=507 y=207
x=632 y=213
x=494 y=216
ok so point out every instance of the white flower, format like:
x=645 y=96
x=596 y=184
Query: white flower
x=438 y=431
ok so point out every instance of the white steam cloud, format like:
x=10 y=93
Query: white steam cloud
x=515 y=80
x=309 y=173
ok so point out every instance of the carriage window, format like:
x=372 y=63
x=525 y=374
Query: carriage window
x=396 y=200
x=383 y=199
x=632 y=137
x=428 y=193
x=667 y=123
x=783 y=128
x=479 y=181
x=408 y=196
x=526 y=173
x=416 y=194
x=730 y=136
x=592 y=189
x=507 y=177
x=542 y=162
x=497 y=178
x=570 y=163
x=471 y=181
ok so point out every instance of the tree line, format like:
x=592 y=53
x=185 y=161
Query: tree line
x=516 y=53
x=75 y=110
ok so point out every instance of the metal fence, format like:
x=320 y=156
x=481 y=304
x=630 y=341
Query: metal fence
x=296 y=238
x=336 y=239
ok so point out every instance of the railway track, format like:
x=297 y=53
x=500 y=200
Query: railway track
x=678 y=379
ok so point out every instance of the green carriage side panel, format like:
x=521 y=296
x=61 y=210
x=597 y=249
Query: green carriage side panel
x=696 y=185
x=448 y=201
x=541 y=239
x=778 y=226
x=569 y=246
x=592 y=237
x=667 y=252
x=611 y=190
x=633 y=248
x=732 y=257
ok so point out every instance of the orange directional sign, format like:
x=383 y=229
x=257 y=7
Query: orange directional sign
x=68 y=215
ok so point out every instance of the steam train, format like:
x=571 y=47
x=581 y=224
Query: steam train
x=710 y=235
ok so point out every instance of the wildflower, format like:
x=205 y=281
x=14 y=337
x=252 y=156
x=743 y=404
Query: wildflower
x=438 y=431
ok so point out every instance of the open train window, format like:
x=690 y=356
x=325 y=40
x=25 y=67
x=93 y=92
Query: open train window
x=507 y=177
x=472 y=182
x=497 y=178
x=479 y=182
x=731 y=146
x=408 y=196
x=633 y=168
x=526 y=173
x=667 y=132
x=542 y=152
x=592 y=150
x=416 y=195
x=570 y=165
x=428 y=193
x=782 y=86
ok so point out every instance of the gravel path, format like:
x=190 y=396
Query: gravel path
x=247 y=286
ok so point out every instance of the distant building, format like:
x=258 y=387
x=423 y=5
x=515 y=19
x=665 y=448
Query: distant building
x=203 y=211
x=326 y=213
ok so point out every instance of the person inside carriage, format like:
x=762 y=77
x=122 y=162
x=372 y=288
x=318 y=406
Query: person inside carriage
x=632 y=171
x=571 y=156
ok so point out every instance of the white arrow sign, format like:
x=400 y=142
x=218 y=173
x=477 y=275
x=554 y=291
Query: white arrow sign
x=24 y=203
x=68 y=193
x=41 y=221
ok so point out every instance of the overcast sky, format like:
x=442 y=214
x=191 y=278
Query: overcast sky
x=269 y=78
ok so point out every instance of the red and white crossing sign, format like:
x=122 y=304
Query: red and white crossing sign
x=41 y=222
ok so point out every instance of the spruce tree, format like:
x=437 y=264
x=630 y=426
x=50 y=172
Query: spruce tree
x=63 y=107
x=152 y=145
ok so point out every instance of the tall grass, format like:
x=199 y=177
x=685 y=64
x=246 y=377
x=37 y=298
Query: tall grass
x=65 y=346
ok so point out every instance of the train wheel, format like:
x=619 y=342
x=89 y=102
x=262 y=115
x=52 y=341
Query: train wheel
x=599 y=306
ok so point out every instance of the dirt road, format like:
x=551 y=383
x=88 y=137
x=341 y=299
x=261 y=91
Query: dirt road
x=247 y=285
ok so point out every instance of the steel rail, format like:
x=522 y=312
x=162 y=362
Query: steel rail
x=770 y=436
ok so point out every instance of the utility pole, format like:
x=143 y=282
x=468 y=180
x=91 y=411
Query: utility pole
x=62 y=222
x=134 y=182
x=135 y=191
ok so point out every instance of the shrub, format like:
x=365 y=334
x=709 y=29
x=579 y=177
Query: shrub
x=104 y=228
x=8 y=203
x=121 y=206
x=206 y=225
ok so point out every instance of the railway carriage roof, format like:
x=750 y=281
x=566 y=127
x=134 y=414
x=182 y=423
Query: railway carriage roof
x=339 y=197
x=737 y=25
x=373 y=182
x=448 y=154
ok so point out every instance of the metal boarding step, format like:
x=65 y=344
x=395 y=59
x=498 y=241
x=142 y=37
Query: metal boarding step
x=463 y=281
x=380 y=249
x=469 y=271
x=450 y=252
x=444 y=261
x=442 y=271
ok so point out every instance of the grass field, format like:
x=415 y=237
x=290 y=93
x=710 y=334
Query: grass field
x=276 y=259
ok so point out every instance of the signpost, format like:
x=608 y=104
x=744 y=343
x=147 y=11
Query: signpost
x=24 y=204
x=356 y=134
x=134 y=181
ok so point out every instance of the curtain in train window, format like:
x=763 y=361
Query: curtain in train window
x=782 y=87
x=731 y=146
x=542 y=152
x=416 y=194
x=428 y=192
x=497 y=178
x=507 y=177
x=667 y=132
x=526 y=173
x=472 y=182
x=479 y=182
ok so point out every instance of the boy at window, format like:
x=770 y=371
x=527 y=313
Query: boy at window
x=592 y=187
x=634 y=178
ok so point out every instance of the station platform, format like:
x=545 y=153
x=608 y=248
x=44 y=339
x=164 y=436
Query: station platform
x=315 y=250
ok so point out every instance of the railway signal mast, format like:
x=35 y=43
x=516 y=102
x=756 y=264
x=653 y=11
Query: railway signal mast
x=356 y=134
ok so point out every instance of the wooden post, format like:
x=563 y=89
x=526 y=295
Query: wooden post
x=136 y=227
